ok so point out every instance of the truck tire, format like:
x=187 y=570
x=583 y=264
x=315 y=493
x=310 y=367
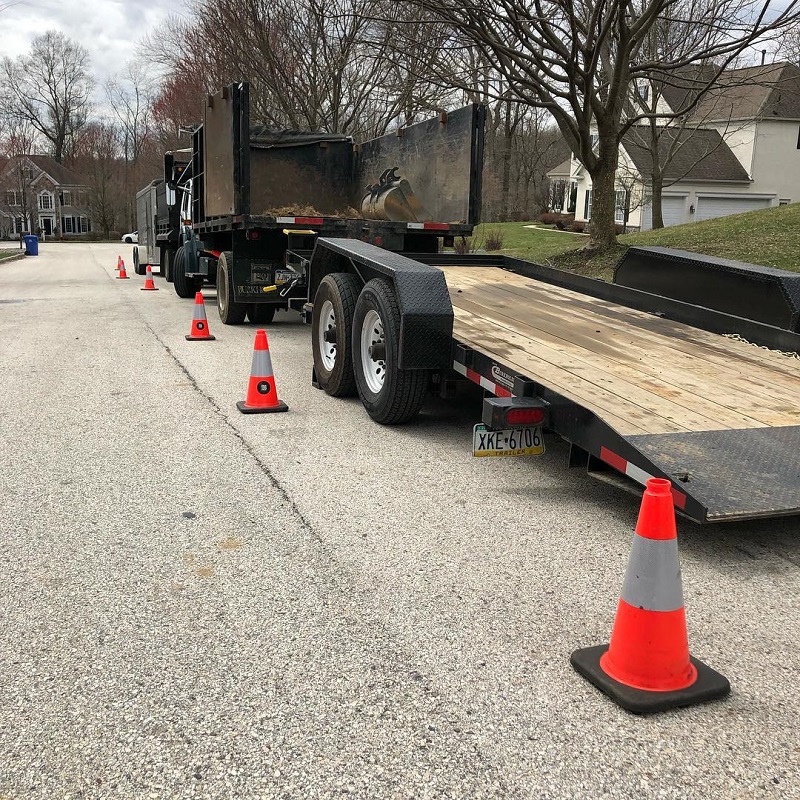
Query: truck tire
x=166 y=258
x=390 y=395
x=334 y=310
x=138 y=268
x=261 y=313
x=230 y=313
x=184 y=285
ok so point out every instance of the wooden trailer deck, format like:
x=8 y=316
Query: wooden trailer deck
x=641 y=373
x=720 y=418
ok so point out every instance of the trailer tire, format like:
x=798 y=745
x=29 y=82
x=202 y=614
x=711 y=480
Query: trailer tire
x=184 y=285
x=230 y=313
x=334 y=307
x=138 y=268
x=165 y=262
x=389 y=395
x=261 y=313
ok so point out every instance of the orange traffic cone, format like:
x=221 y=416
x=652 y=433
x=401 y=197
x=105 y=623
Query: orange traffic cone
x=199 y=322
x=647 y=666
x=122 y=273
x=119 y=261
x=149 y=286
x=262 y=396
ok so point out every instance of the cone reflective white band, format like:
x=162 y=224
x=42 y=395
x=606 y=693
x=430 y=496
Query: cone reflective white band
x=199 y=311
x=262 y=364
x=653 y=578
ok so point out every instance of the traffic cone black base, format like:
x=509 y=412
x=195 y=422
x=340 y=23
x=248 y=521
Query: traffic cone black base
x=710 y=685
x=245 y=409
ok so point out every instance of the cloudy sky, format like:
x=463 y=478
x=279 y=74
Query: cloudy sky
x=108 y=29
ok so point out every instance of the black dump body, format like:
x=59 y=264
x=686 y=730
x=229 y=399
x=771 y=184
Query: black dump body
x=249 y=174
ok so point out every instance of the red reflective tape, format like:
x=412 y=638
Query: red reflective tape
x=436 y=226
x=618 y=462
x=678 y=498
x=308 y=220
x=500 y=391
x=473 y=376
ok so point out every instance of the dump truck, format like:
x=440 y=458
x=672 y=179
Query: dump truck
x=639 y=384
x=160 y=219
x=254 y=200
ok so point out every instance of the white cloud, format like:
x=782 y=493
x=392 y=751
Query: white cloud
x=109 y=29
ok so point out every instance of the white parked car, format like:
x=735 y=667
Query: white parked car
x=131 y=238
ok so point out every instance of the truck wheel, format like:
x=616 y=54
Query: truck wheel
x=260 y=313
x=138 y=268
x=184 y=285
x=331 y=333
x=165 y=259
x=390 y=395
x=230 y=313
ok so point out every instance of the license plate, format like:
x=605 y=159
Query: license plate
x=511 y=442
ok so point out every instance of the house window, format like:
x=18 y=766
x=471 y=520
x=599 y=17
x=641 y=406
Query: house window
x=12 y=199
x=84 y=224
x=19 y=225
x=643 y=88
x=594 y=138
x=45 y=201
x=619 y=206
x=587 y=205
x=66 y=198
x=68 y=224
x=784 y=202
x=558 y=193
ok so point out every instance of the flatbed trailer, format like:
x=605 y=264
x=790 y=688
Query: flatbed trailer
x=639 y=385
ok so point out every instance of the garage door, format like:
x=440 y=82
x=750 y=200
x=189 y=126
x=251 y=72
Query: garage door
x=673 y=212
x=711 y=207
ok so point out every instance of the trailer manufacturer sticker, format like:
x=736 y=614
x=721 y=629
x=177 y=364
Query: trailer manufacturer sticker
x=510 y=442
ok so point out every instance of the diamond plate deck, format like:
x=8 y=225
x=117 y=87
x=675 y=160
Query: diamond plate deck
x=735 y=474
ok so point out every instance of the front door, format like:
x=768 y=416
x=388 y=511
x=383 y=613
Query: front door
x=46 y=224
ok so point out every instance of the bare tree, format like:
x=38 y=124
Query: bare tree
x=579 y=58
x=50 y=87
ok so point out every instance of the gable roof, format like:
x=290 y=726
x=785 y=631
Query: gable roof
x=58 y=172
x=701 y=155
x=562 y=170
x=767 y=91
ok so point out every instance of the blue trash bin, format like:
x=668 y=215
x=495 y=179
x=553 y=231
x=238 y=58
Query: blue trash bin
x=31 y=244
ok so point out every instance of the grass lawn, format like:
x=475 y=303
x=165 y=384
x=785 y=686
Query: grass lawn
x=770 y=237
x=7 y=252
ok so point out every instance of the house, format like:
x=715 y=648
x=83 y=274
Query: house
x=738 y=151
x=37 y=193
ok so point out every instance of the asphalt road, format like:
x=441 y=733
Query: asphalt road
x=199 y=603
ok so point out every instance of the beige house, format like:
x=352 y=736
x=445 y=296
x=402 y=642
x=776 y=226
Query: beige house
x=38 y=194
x=740 y=151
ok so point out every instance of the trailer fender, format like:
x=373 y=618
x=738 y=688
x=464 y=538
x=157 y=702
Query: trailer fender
x=426 y=313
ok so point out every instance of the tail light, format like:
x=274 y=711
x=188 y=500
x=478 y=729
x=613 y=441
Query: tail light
x=514 y=412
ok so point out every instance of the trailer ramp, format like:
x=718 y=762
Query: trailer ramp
x=642 y=394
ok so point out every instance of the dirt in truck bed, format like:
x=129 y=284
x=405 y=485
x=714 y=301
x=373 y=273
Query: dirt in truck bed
x=310 y=211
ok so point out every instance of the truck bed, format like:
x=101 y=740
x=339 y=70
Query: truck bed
x=719 y=415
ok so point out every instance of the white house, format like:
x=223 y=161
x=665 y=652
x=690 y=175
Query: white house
x=740 y=151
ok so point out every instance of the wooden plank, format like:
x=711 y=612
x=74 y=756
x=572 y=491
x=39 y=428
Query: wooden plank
x=692 y=340
x=677 y=369
x=615 y=381
x=625 y=417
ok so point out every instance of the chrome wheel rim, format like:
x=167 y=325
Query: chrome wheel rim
x=327 y=322
x=371 y=335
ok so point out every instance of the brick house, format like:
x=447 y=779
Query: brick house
x=37 y=193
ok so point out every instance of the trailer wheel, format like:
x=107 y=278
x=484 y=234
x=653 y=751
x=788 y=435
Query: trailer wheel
x=260 y=313
x=230 y=313
x=390 y=395
x=184 y=285
x=138 y=268
x=332 y=329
